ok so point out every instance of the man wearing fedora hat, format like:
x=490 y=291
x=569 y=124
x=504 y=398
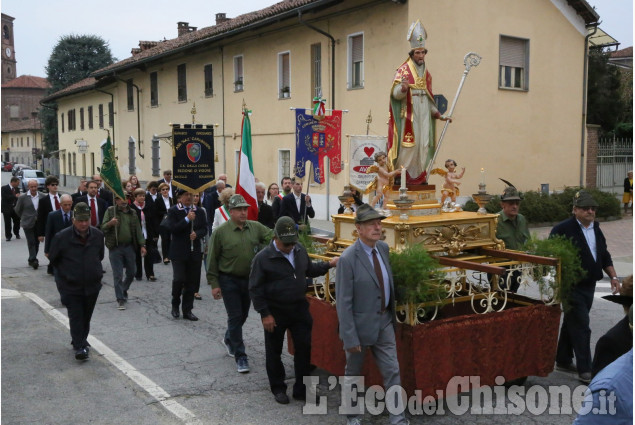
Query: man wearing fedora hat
x=575 y=333
x=76 y=254
x=234 y=245
x=512 y=229
x=277 y=285
x=365 y=296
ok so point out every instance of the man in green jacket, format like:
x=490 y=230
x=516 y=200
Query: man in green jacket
x=234 y=244
x=513 y=230
x=123 y=234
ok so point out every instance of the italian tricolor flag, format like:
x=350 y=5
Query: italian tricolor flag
x=246 y=184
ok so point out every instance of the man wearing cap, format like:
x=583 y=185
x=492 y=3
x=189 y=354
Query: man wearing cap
x=277 y=284
x=234 y=245
x=411 y=125
x=76 y=254
x=123 y=235
x=365 y=296
x=575 y=333
x=513 y=230
x=188 y=226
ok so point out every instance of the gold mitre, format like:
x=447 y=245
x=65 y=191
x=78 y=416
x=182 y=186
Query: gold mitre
x=417 y=35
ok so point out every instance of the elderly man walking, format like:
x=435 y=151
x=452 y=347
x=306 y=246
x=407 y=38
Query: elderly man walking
x=234 y=244
x=365 y=296
x=76 y=254
x=575 y=333
x=26 y=209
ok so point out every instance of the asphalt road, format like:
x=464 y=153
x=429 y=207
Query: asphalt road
x=148 y=368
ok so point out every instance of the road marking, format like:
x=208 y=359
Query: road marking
x=174 y=407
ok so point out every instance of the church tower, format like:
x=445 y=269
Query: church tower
x=8 y=51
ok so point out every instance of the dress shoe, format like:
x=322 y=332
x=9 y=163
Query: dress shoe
x=138 y=278
x=8 y=239
x=175 y=313
x=190 y=316
x=566 y=367
x=585 y=377
x=152 y=278
x=197 y=296
x=35 y=264
x=17 y=236
x=166 y=261
x=81 y=354
x=281 y=398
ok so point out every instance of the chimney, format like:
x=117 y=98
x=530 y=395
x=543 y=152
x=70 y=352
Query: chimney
x=135 y=51
x=184 y=28
x=221 y=17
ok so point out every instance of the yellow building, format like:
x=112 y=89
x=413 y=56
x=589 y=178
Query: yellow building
x=519 y=115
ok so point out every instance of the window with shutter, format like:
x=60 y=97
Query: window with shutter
x=316 y=69
x=238 y=73
x=513 y=63
x=284 y=76
x=356 y=61
x=181 y=83
x=209 y=87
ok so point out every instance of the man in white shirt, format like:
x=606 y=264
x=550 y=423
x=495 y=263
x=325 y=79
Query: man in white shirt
x=297 y=205
x=26 y=209
x=49 y=204
x=97 y=205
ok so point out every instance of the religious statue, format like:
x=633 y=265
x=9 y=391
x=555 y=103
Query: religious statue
x=411 y=128
x=385 y=176
x=451 y=185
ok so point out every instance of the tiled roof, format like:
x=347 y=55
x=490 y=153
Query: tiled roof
x=22 y=125
x=27 y=81
x=209 y=33
x=623 y=53
x=80 y=86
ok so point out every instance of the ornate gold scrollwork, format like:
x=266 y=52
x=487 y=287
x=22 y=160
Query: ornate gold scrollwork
x=403 y=232
x=452 y=238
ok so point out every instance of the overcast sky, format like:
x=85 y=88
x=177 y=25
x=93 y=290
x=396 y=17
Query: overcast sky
x=39 y=24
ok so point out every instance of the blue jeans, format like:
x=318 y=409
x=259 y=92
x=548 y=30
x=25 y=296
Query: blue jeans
x=122 y=257
x=235 y=292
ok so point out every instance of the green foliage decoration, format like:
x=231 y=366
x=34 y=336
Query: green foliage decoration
x=417 y=276
x=571 y=271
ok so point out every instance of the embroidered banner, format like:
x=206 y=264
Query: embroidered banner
x=193 y=157
x=362 y=152
x=316 y=139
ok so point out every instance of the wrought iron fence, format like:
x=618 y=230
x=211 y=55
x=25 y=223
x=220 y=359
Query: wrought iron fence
x=615 y=159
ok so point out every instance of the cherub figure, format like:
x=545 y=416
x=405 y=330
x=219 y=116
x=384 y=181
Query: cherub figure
x=385 y=176
x=450 y=186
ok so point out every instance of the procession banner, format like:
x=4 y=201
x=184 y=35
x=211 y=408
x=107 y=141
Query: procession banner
x=362 y=152
x=193 y=157
x=318 y=137
x=246 y=181
x=109 y=170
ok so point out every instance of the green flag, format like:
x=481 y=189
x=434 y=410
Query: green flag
x=109 y=170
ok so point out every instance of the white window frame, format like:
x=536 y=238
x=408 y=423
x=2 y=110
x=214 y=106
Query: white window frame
x=350 y=65
x=281 y=171
x=281 y=82
x=518 y=64
x=239 y=76
x=236 y=161
x=316 y=69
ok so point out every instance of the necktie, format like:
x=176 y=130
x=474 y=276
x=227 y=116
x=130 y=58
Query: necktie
x=65 y=220
x=57 y=203
x=380 y=277
x=93 y=212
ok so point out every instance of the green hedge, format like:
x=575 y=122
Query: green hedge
x=539 y=207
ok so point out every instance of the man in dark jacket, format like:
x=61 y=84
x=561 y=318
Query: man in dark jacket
x=10 y=195
x=58 y=221
x=575 y=333
x=277 y=285
x=297 y=205
x=188 y=227
x=265 y=213
x=76 y=254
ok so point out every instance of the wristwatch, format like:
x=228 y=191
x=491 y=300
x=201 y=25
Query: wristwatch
x=615 y=278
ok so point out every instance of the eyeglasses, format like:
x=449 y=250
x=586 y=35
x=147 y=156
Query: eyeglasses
x=589 y=208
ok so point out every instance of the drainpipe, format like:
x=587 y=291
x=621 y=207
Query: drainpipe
x=138 y=114
x=112 y=99
x=222 y=79
x=585 y=81
x=326 y=34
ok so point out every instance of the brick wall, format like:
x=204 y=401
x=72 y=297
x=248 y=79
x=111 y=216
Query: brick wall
x=592 y=134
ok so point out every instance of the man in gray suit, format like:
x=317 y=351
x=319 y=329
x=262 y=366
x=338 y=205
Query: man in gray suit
x=365 y=297
x=26 y=209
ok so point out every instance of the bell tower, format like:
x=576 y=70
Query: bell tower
x=8 y=51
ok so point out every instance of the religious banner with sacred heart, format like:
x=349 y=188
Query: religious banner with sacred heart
x=318 y=137
x=362 y=156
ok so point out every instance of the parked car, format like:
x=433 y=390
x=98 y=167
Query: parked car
x=28 y=174
x=8 y=166
x=18 y=167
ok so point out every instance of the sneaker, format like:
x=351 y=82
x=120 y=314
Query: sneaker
x=121 y=305
x=230 y=353
x=242 y=365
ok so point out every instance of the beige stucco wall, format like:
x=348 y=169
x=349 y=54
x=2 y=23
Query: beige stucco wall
x=527 y=137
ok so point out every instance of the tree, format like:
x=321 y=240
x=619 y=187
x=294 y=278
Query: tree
x=74 y=58
x=606 y=106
